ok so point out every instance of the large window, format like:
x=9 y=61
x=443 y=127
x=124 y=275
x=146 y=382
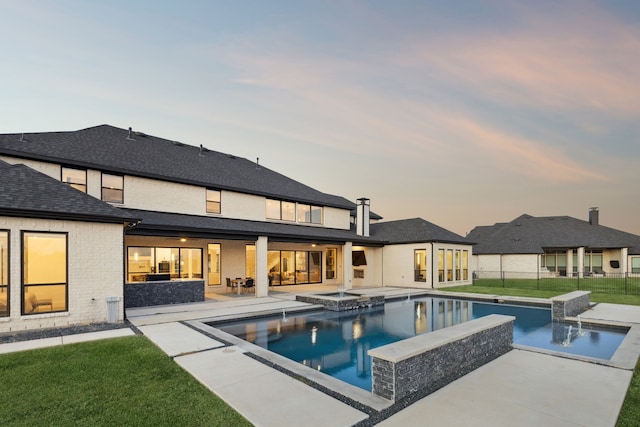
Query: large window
x=213 y=263
x=151 y=263
x=309 y=214
x=593 y=262
x=77 y=178
x=465 y=265
x=213 y=201
x=290 y=211
x=44 y=272
x=440 y=265
x=4 y=273
x=330 y=267
x=449 y=265
x=279 y=209
x=420 y=265
x=635 y=264
x=294 y=267
x=112 y=188
x=458 y=274
x=555 y=262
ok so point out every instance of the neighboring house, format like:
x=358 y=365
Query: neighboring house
x=553 y=246
x=179 y=215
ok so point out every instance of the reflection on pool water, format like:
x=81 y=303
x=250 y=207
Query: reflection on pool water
x=336 y=343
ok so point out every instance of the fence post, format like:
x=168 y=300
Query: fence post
x=502 y=277
x=626 y=276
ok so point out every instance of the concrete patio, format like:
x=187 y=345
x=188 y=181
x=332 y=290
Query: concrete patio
x=523 y=388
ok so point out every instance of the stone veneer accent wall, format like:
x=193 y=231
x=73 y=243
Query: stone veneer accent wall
x=430 y=361
x=347 y=302
x=146 y=294
x=569 y=305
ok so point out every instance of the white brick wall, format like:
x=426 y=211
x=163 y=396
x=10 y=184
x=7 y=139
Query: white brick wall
x=164 y=196
x=95 y=272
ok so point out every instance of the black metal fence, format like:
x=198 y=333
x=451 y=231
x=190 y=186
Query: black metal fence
x=608 y=283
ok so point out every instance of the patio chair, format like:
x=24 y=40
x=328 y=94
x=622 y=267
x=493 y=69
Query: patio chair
x=230 y=284
x=248 y=284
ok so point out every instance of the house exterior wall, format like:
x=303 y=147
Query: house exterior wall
x=398 y=265
x=51 y=169
x=94 y=272
x=372 y=271
x=399 y=268
x=165 y=196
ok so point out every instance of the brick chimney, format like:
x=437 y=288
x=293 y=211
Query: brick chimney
x=594 y=216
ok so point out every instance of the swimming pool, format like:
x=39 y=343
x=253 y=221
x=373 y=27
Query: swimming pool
x=337 y=343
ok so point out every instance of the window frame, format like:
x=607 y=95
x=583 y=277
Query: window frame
x=24 y=285
x=175 y=263
x=419 y=274
x=75 y=185
x=116 y=189
x=210 y=203
x=5 y=273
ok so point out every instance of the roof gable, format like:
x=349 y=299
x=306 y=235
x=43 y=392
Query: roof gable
x=415 y=230
x=26 y=192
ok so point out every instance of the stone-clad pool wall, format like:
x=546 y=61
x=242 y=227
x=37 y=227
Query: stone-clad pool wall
x=430 y=361
x=569 y=305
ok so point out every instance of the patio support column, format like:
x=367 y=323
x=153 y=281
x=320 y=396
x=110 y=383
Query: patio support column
x=262 y=277
x=570 y=263
x=624 y=256
x=581 y=262
x=347 y=271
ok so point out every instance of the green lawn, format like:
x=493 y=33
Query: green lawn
x=630 y=413
x=121 y=381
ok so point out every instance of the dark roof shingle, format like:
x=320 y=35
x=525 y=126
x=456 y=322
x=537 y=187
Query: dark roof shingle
x=532 y=235
x=26 y=192
x=109 y=148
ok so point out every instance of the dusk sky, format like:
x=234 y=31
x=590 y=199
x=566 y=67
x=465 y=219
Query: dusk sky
x=463 y=113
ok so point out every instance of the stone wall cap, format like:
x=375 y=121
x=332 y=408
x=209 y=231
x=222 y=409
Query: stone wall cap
x=570 y=296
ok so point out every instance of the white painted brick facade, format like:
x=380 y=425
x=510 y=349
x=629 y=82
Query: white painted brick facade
x=95 y=272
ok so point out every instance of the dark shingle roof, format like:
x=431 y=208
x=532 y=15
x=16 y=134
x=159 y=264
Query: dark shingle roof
x=171 y=224
x=28 y=193
x=416 y=230
x=108 y=148
x=530 y=235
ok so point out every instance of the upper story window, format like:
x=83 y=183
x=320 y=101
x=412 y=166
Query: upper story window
x=289 y=211
x=112 y=188
x=213 y=201
x=77 y=178
x=278 y=209
x=310 y=214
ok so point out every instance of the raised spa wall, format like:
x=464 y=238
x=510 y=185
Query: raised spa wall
x=427 y=362
x=569 y=305
x=342 y=303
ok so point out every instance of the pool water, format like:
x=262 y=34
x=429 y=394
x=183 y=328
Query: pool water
x=337 y=343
